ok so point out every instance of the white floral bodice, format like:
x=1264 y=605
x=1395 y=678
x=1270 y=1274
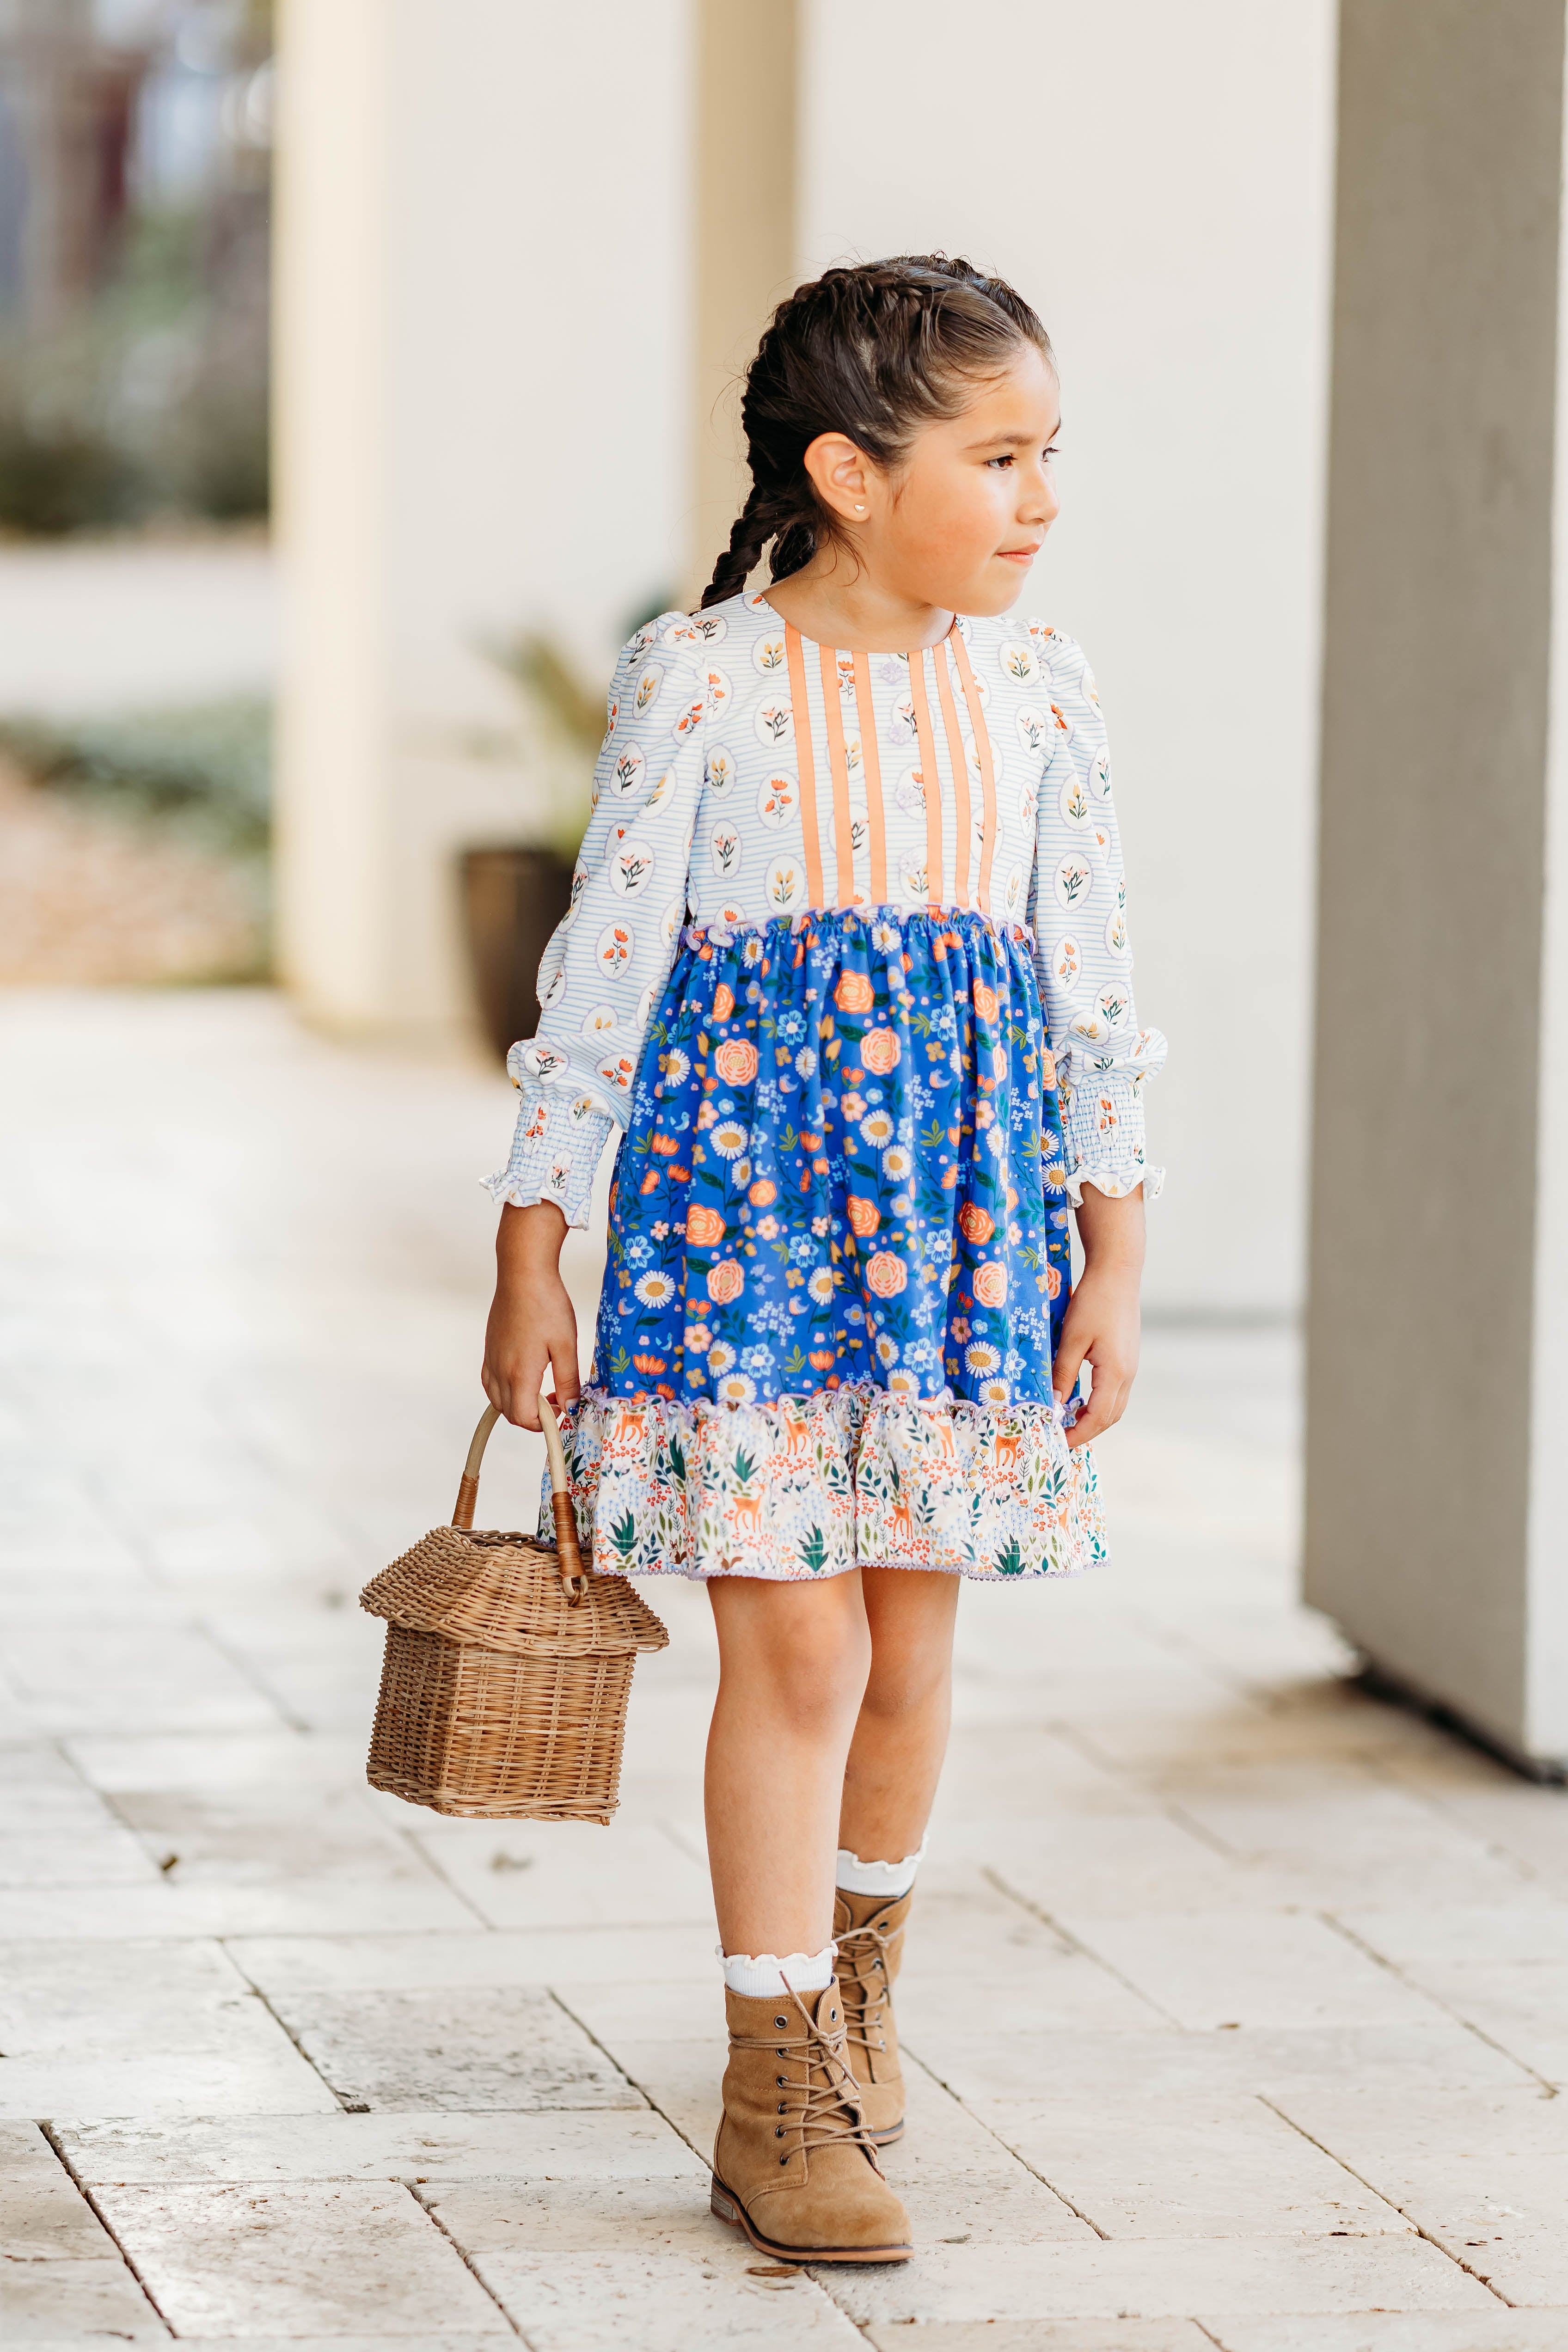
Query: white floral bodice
x=748 y=774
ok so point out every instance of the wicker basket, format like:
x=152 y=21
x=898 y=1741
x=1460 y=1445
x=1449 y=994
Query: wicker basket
x=508 y=1668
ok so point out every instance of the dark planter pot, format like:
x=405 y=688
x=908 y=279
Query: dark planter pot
x=512 y=900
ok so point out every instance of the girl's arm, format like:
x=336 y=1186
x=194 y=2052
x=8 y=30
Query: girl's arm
x=600 y=977
x=532 y=1330
x=1100 y=1328
x=1103 y=1057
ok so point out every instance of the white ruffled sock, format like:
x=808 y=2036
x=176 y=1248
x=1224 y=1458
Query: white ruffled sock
x=890 y=1879
x=757 y=1974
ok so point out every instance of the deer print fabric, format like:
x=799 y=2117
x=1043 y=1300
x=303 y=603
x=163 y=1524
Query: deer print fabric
x=837 y=1264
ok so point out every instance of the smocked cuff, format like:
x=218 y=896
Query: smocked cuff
x=556 y=1155
x=1104 y=1132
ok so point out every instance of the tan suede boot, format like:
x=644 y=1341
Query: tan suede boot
x=868 y=1930
x=792 y=2165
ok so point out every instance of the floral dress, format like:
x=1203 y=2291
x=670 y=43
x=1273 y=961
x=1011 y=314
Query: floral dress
x=847 y=965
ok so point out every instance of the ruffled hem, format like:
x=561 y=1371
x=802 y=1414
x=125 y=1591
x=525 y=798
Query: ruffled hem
x=1116 y=1183
x=1102 y=1125
x=556 y=1155
x=813 y=1486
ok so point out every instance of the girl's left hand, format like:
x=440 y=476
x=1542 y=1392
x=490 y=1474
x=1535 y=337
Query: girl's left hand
x=1101 y=1324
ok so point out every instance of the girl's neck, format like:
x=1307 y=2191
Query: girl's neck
x=835 y=606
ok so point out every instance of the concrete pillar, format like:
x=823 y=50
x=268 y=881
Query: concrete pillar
x=744 y=154
x=1437 y=1410
x=482 y=388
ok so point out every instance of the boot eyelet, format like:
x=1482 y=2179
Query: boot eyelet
x=784 y=2160
x=780 y=2020
x=778 y=2131
x=783 y=2107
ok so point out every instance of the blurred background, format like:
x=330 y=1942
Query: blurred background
x=503 y=434
x=367 y=372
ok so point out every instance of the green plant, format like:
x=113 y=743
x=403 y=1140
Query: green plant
x=205 y=769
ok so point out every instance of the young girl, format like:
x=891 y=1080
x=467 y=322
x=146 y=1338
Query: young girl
x=847 y=836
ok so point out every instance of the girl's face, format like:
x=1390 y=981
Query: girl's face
x=958 y=524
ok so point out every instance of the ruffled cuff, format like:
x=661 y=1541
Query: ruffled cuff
x=555 y=1154
x=1102 y=1120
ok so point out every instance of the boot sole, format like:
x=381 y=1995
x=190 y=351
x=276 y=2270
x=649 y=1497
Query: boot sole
x=728 y=2208
x=887 y=2138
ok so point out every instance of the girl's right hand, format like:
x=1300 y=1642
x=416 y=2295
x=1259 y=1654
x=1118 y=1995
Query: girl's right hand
x=532 y=1331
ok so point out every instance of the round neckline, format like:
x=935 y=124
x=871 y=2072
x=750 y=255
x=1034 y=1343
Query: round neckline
x=869 y=652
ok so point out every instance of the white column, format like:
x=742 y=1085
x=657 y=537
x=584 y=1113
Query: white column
x=1157 y=181
x=1437 y=1452
x=483 y=370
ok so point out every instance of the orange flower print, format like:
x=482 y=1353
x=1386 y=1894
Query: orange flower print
x=854 y=992
x=985 y=1003
x=704 y=1226
x=723 y=1002
x=879 y=1051
x=975 y=1224
x=763 y=1193
x=1047 y=1069
x=736 y=1061
x=864 y=1215
x=725 y=1281
x=885 y=1274
x=1053 y=1282
x=990 y=1285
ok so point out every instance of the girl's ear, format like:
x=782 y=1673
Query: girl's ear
x=841 y=475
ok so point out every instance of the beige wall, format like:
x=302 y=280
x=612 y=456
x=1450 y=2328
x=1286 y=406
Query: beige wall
x=484 y=376
x=1157 y=181
x=1437 y=1393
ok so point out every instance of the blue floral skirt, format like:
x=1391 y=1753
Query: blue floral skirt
x=838 y=1263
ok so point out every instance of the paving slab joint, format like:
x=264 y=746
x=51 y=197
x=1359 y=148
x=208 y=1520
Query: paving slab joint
x=1414 y=1984
x=464 y=2257
x=100 y=2217
x=1392 y=2202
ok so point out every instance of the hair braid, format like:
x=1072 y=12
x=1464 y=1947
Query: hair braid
x=872 y=352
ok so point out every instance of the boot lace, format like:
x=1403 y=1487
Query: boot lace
x=823 y=2105
x=865 y=1984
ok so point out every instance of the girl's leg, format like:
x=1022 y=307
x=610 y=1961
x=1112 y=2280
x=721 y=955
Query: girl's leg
x=793 y=1661
x=900 y=1736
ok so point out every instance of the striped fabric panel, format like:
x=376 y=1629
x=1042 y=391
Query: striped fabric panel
x=871 y=761
x=837 y=761
x=805 y=765
x=930 y=777
x=960 y=772
x=987 y=767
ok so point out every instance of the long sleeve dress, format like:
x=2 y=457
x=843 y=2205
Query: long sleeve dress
x=846 y=968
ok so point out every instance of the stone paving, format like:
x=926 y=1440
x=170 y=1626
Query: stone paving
x=1237 y=2003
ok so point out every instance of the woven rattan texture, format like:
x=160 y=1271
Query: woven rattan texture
x=505 y=1590
x=497 y=1698
x=500 y=1734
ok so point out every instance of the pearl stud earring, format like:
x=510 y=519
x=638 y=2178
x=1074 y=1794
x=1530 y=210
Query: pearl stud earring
x=859 y=509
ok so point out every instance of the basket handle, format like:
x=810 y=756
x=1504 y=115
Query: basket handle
x=574 y=1578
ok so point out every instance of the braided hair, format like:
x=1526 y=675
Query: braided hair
x=872 y=351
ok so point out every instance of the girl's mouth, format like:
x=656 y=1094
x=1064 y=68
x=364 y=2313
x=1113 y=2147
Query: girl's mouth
x=1018 y=555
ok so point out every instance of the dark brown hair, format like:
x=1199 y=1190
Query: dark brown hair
x=873 y=351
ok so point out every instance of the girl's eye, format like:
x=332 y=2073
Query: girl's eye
x=1001 y=461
